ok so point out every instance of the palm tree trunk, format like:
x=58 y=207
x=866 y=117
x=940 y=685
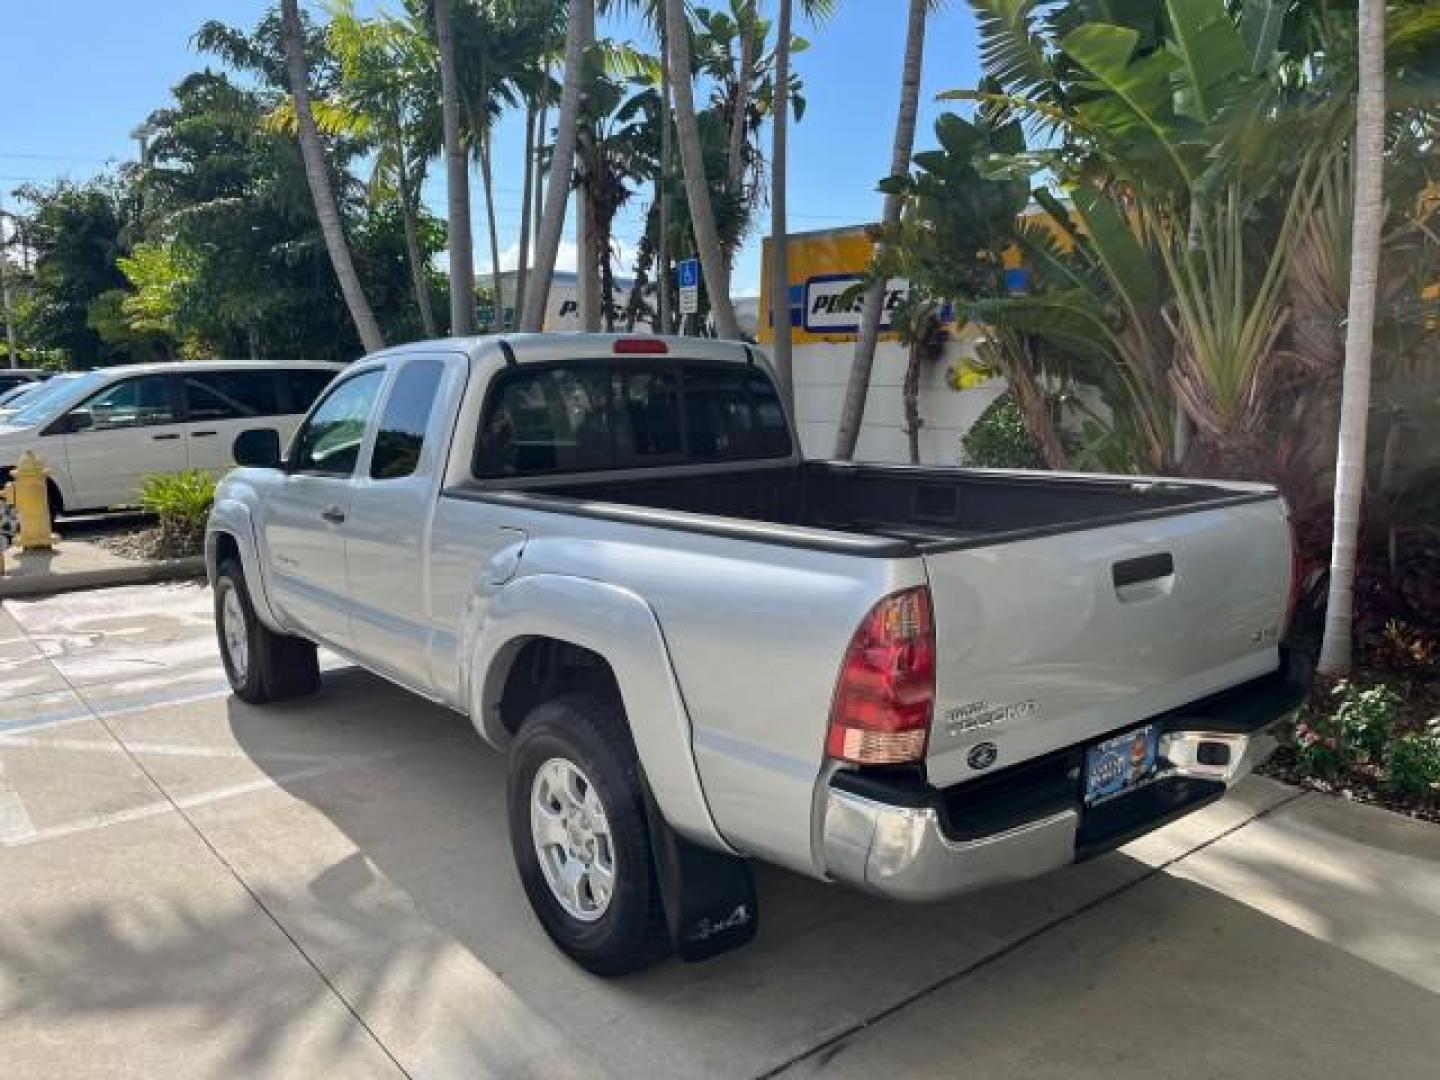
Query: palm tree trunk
x=1335 y=649
x=488 y=180
x=910 y=394
x=745 y=74
x=587 y=224
x=317 y=174
x=522 y=263
x=780 y=353
x=663 y=305
x=416 y=257
x=692 y=161
x=735 y=163
x=541 y=172
x=852 y=412
x=457 y=182
x=557 y=191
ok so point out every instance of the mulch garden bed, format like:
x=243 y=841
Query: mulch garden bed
x=1421 y=707
x=1355 y=786
x=154 y=543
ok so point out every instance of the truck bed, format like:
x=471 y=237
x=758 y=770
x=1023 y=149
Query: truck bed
x=929 y=509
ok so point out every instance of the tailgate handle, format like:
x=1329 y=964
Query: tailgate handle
x=1137 y=571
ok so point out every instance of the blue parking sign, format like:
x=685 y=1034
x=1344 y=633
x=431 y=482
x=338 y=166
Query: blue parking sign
x=687 y=271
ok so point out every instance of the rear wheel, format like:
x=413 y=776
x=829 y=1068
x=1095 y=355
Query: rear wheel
x=261 y=665
x=580 y=836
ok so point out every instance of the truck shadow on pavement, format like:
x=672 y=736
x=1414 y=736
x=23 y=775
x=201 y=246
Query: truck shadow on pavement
x=391 y=872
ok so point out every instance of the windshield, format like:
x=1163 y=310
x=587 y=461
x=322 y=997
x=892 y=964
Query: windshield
x=8 y=398
x=45 y=403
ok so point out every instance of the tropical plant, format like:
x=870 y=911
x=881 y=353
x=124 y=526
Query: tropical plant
x=318 y=177
x=387 y=94
x=457 y=179
x=181 y=504
x=693 y=168
x=552 y=218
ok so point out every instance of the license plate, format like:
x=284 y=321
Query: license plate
x=1121 y=763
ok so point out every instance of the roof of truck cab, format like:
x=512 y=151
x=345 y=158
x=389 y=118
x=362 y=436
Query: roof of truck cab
x=570 y=345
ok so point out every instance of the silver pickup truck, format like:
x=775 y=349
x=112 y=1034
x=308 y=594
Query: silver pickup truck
x=698 y=649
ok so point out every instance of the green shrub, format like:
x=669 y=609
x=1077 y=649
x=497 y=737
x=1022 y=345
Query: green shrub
x=1357 y=731
x=999 y=439
x=181 y=502
x=1412 y=763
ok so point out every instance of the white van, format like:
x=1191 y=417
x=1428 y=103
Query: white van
x=101 y=433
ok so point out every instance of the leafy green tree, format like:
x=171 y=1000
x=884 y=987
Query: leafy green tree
x=76 y=232
x=387 y=94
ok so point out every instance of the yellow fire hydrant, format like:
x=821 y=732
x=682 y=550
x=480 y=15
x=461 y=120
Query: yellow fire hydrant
x=32 y=503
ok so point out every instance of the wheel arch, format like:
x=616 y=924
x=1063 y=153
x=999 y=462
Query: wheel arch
x=607 y=637
x=231 y=534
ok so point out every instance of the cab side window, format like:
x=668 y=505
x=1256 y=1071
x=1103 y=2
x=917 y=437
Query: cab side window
x=329 y=442
x=140 y=402
x=401 y=434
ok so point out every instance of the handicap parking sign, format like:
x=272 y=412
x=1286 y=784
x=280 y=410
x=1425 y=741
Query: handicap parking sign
x=688 y=272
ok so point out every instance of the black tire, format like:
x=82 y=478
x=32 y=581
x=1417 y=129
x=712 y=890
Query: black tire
x=589 y=731
x=276 y=667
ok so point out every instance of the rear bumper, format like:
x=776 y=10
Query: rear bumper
x=909 y=841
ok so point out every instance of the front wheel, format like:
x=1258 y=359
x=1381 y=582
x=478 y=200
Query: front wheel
x=261 y=665
x=580 y=837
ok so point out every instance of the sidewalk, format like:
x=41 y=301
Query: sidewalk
x=83 y=564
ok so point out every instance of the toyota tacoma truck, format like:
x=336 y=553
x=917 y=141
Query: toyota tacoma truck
x=698 y=649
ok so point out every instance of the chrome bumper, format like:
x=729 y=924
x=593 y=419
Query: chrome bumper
x=903 y=852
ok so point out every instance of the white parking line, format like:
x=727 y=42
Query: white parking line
x=165 y=806
x=110 y=746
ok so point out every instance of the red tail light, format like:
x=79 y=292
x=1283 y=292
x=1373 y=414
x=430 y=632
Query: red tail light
x=885 y=695
x=640 y=346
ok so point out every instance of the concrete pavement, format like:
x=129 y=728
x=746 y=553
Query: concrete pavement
x=193 y=887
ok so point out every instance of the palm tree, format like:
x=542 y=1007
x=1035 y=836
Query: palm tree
x=692 y=161
x=557 y=192
x=1369 y=215
x=780 y=353
x=317 y=175
x=386 y=91
x=457 y=181
x=852 y=412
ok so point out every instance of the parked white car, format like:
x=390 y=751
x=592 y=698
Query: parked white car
x=101 y=433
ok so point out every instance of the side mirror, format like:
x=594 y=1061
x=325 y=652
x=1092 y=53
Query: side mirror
x=79 y=420
x=258 y=448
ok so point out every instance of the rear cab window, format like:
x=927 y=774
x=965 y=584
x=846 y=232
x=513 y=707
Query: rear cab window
x=584 y=416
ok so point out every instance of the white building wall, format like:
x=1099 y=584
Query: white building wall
x=821 y=372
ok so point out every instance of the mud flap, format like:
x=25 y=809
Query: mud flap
x=709 y=896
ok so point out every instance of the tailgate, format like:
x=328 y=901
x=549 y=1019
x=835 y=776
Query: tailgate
x=1050 y=641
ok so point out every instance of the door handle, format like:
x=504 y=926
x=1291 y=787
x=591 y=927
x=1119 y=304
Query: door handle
x=1147 y=578
x=201 y=434
x=1145 y=568
x=334 y=515
x=164 y=438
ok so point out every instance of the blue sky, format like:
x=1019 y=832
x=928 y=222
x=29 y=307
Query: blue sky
x=81 y=75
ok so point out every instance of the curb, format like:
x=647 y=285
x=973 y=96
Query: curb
x=149 y=573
